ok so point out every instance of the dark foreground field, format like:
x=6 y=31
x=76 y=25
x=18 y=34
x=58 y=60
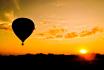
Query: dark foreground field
x=70 y=61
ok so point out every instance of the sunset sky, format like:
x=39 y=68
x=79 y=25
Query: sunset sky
x=62 y=26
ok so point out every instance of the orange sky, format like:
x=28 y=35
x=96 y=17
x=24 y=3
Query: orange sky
x=62 y=26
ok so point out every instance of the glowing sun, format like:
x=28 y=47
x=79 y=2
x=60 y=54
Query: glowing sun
x=83 y=51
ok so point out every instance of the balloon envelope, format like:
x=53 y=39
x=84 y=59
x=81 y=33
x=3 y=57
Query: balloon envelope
x=23 y=28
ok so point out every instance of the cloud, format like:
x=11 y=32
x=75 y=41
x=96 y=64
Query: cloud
x=5 y=27
x=16 y=2
x=55 y=31
x=9 y=15
x=61 y=33
x=93 y=31
x=52 y=33
x=6 y=24
x=71 y=35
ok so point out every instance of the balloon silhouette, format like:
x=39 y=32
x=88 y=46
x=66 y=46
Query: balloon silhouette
x=23 y=28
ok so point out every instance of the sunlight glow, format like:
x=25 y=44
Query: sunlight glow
x=83 y=51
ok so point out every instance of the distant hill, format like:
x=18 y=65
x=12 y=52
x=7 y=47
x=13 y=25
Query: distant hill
x=52 y=60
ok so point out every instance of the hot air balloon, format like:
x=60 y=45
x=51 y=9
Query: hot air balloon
x=23 y=28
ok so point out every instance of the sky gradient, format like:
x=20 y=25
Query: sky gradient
x=62 y=26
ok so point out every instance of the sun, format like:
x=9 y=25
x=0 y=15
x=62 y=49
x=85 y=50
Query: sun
x=86 y=55
x=83 y=51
